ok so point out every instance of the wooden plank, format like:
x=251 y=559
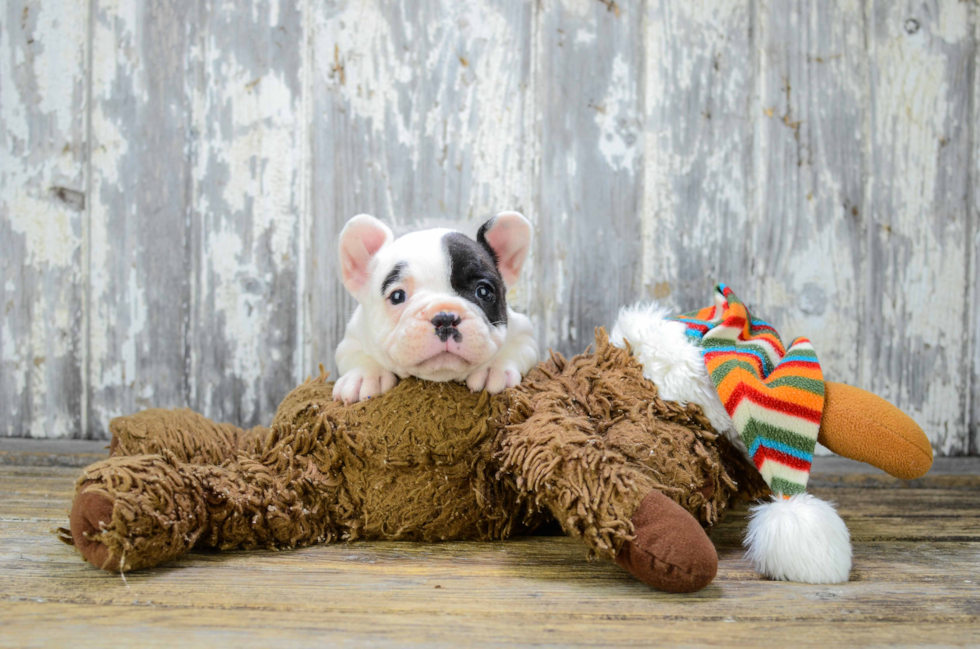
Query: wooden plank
x=141 y=180
x=918 y=264
x=807 y=242
x=700 y=165
x=248 y=138
x=502 y=577
x=588 y=67
x=907 y=586
x=43 y=100
x=196 y=306
x=834 y=465
x=149 y=625
x=749 y=178
x=973 y=247
x=532 y=584
x=821 y=155
x=47 y=452
x=419 y=119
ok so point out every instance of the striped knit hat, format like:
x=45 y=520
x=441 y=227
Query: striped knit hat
x=769 y=400
x=773 y=395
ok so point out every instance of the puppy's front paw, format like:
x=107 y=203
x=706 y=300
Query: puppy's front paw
x=494 y=379
x=362 y=383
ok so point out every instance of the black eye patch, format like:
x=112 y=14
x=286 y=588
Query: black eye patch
x=470 y=266
x=393 y=277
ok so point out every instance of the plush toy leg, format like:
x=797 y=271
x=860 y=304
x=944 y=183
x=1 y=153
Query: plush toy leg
x=670 y=550
x=90 y=508
x=137 y=512
x=189 y=436
x=865 y=427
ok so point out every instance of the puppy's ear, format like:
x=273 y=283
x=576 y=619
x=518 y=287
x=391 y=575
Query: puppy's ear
x=360 y=240
x=508 y=236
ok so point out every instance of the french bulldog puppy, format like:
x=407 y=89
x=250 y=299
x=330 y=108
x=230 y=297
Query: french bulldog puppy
x=432 y=304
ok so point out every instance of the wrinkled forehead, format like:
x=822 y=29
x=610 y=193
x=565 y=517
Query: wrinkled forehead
x=421 y=255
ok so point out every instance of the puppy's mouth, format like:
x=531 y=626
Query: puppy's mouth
x=441 y=361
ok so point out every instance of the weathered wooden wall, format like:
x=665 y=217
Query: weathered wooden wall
x=173 y=176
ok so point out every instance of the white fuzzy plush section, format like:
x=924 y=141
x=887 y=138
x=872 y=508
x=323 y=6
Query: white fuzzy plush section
x=672 y=361
x=799 y=539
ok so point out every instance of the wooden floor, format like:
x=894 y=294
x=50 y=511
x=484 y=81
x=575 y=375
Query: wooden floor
x=916 y=580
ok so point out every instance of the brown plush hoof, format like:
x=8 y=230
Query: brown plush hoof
x=88 y=512
x=671 y=552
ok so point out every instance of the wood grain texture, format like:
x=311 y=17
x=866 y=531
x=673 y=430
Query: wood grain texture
x=169 y=216
x=196 y=178
x=248 y=136
x=914 y=581
x=140 y=268
x=43 y=76
x=587 y=102
x=700 y=166
x=807 y=240
x=973 y=248
x=917 y=234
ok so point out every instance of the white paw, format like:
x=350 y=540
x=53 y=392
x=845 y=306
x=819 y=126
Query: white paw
x=494 y=379
x=362 y=383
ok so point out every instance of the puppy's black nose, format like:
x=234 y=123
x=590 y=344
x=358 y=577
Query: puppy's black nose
x=445 y=324
x=446 y=320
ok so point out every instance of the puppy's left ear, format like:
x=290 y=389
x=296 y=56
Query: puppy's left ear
x=508 y=236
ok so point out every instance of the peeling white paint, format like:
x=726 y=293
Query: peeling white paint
x=42 y=59
x=263 y=125
x=373 y=74
x=239 y=312
x=618 y=141
x=918 y=227
x=59 y=40
x=46 y=228
x=14 y=360
x=449 y=110
x=584 y=37
x=953 y=24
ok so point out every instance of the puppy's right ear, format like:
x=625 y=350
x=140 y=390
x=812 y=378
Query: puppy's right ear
x=360 y=240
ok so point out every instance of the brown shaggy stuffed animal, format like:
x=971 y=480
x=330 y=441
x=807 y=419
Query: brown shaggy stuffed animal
x=586 y=442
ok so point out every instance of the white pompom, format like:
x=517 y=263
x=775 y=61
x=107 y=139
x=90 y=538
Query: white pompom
x=798 y=539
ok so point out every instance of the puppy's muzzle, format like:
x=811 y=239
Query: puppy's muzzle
x=445 y=324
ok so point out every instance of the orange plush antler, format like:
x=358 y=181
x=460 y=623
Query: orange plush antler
x=865 y=427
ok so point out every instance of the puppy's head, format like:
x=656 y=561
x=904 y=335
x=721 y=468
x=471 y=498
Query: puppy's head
x=433 y=302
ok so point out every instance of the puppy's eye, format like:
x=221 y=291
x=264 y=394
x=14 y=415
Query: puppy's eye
x=397 y=297
x=485 y=292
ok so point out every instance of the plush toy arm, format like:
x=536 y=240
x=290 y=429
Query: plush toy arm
x=136 y=512
x=133 y=512
x=862 y=426
x=189 y=436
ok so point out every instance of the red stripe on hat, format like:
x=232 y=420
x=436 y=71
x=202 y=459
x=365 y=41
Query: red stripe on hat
x=744 y=391
x=763 y=454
